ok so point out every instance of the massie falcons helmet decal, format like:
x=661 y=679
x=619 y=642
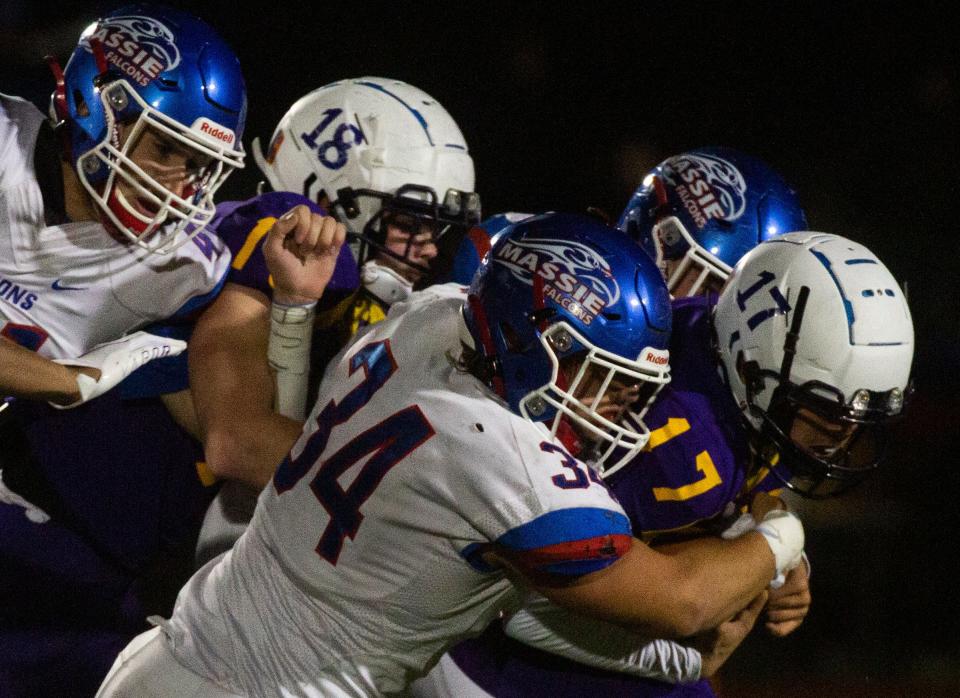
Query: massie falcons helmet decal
x=140 y=47
x=574 y=276
x=709 y=186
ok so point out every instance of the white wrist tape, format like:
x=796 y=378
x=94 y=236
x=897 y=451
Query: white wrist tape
x=288 y=352
x=784 y=534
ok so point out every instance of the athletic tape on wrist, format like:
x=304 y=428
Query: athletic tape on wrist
x=784 y=534
x=291 y=327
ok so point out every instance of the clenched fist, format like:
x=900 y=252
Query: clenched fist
x=301 y=252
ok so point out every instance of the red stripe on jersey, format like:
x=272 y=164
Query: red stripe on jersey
x=596 y=548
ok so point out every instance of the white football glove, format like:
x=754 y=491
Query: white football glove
x=118 y=359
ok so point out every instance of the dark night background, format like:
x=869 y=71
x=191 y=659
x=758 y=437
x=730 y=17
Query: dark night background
x=857 y=106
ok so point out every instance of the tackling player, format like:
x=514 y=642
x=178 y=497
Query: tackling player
x=696 y=471
x=450 y=417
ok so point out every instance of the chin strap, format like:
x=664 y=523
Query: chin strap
x=790 y=342
x=385 y=284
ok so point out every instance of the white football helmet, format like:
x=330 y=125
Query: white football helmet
x=376 y=149
x=816 y=341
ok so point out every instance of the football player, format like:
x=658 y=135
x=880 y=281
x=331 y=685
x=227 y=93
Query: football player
x=452 y=416
x=107 y=206
x=105 y=232
x=699 y=212
x=696 y=470
x=388 y=162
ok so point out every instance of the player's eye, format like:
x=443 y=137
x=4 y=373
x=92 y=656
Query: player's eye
x=164 y=148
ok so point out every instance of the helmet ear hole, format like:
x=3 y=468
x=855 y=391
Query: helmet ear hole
x=510 y=338
x=83 y=111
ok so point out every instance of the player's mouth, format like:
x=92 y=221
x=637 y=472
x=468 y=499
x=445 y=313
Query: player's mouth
x=146 y=206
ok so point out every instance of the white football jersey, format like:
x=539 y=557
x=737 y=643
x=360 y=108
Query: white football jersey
x=66 y=288
x=363 y=562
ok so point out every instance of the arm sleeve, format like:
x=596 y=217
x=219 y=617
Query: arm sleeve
x=595 y=643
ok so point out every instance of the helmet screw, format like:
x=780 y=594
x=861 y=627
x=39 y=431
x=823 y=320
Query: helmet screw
x=561 y=341
x=118 y=98
x=90 y=164
x=895 y=401
x=861 y=401
x=536 y=406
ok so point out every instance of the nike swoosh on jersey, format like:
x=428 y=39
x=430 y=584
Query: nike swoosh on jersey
x=57 y=286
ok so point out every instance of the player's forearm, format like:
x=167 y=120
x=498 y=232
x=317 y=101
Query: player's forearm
x=26 y=374
x=719 y=580
x=672 y=594
x=233 y=389
x=250 y=451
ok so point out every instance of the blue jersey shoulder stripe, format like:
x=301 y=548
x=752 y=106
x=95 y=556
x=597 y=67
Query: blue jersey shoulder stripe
x=565 y=525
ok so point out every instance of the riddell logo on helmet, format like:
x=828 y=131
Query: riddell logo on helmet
x=213 y=130
x=656 y=359
x=141 y=47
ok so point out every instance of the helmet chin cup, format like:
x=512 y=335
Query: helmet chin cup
x=384 y=284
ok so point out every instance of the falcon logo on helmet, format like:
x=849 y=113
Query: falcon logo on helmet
x=145 y=83
x=574 y=275
x=710 y=187
x=699 y=212
x=550 y=359
x=141 y=47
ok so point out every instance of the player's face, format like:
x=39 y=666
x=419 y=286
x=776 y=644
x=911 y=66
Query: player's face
x=710 y=284
x=411 y=239
x=174 y=166
x=820 y=437
x=612 y=403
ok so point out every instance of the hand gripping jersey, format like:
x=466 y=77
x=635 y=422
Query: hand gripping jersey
x=364 y=560
x=691 y=477
x=66 y=287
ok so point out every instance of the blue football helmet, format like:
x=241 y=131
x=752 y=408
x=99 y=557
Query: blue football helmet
x=557 y=286
x=475 y=244
x=706 y=208
x=151 y=69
